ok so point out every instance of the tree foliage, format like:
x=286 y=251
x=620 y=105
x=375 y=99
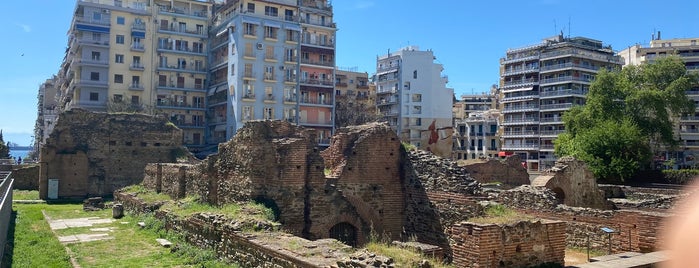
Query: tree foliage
x=627 y=113
x=4 y=149
x=349 y=112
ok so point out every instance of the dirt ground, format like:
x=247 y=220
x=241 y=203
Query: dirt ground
x=574 y=257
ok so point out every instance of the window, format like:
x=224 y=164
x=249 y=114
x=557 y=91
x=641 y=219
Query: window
x=121 y=20
x=248 y=50
x=182 y=27
x=247 y=113
x=248 y=70
x=96 y=56
x=271 y=32
x=248 y=89
x=251 y=7
x=289 y=15
x=271 y=11
x=292 y=35
x=198 y=83
x=118 y=78
x=136 y=61
x=97 y=16
x=415 y=74
x=180 y=81
x=269 y=113
x=136 y=81
x=198 y=102
x=135 y=100
x=94 y=96
x=118 y=98
x=200 y=29
x=119 y=58
x=162 y=80
x=269 y=53
x=290 y=55
x=119 y=39
x=94 y=76
x=249 y=29
x=117 y=3
x=417 y=97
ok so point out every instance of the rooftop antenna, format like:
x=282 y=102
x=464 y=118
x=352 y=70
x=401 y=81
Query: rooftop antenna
x=555 y=29
x=568 y=26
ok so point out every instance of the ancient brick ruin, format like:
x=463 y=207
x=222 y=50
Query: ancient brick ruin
x=93 y=154
x=574 y=184
x=508 y=171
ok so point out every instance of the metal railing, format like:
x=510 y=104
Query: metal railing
x=5 y=209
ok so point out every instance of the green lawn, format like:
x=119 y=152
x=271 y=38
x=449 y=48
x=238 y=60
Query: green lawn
x=25 y=195
x=35 y=245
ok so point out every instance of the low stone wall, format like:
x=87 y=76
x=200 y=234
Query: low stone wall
x=635 y=231
x=524 y=244
x=26 y=177
x=529 y=197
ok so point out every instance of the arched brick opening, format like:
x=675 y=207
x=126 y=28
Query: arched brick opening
x=560 y=194
x=345 y=232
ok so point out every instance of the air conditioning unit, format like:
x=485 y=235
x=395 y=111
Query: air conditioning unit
x=105 y=11
x=260 y=45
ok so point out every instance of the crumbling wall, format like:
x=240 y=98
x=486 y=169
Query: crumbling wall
x=438 y=194
x=574 y=184
x=508 y=171
x=525 y=244
x=26 y=177
x=93 y=154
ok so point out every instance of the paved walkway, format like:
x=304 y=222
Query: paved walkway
x=627 y=260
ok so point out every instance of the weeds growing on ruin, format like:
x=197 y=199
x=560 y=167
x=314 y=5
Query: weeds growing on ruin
x=500 y=214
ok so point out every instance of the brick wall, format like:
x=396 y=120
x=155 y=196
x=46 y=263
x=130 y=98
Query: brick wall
x=507 y=171
x=93 y=154
x=524 y=244
x=26 y=177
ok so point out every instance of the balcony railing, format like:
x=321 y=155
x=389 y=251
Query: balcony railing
x=136 y=86
x=317 y=62
x=520 y=120
x=317 y=42
x=180 y=68
x=521 y=133
x=316 y=101
x=177 y=30
x=318 y=4
x=324 y=23
x=556 y=106
x=91 y=20
x=551 y=120
x=92 y=61
x=138 y=47
x=582 y=53
x=170 y=48
x=181 y=11
x=520 y=146
x=520 y=70
x=521 y=82
x=564 y=79
x=521 y=107
x=322 y=82
x=567 y=65
x=552 y=132
x=562 y=92
x=136 y=67
x=316 y=122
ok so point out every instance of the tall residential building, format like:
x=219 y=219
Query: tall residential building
x=354 y=98
x=412 y=96
x=139 y=55
x=47 y=112
x=688 y=126
x=538 y=84
x=476 y=124
x=272 y=60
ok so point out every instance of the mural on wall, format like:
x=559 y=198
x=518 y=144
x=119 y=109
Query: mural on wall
x=437 y=138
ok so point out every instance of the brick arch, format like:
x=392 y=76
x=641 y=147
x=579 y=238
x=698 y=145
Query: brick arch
x=366 y=213
x=323 y=230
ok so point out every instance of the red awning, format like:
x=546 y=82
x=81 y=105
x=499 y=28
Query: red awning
x=503 y=154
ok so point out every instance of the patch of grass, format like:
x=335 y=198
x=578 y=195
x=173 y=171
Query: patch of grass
x=242 y=211
x=407 y=146
x=144 y=194
x=32 y=244
x=25 y=195
x=593 y=252
x=403 y=257
x=500 y=214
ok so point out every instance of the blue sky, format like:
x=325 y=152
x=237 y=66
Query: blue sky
x=467 y=37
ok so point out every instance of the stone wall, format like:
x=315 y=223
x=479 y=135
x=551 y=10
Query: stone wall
x=529 y=197
x=524 y=244
x=508 y=171
x=636 y=231
x=573 y=183
x=93 y=154
x=26 y=177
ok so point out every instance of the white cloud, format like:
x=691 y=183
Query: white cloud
x=26 y=28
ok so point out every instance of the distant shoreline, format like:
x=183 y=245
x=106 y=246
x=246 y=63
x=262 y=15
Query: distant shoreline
x=21 y=148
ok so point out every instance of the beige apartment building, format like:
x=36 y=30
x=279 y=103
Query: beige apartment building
x=687 y=129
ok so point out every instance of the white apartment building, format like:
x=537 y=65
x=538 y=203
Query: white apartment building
x=412 y=96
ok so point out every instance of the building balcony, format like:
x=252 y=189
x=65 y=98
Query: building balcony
x=316 y=102
x=189 y=124
x=520 y=134
x=249 y=97
x=558 y=106
x=521 y=70
x=521 y=83
x=389 y=101
x=316 y=123
x=341 y=84
x=389 y=113
x=317 y=82
x=324 y=23
x=520 y=108
x=563 y=93
x=182 y=50
x=520 y=121
x=547 y=147
x=138 y=47
x=216 y=120
x=519 y=57
x=365 y=86
x=136 y=87
x=182 y=12
x=175 y=68
x=520 y=147
x=582 y=54
x=89 y=42
x=182 y=31
x=317 y=62
x=551 y=120
x=91 y=83
x=171 y=104
x=564 y=79
x=89 y=20
x=517 y=98
x=91 y=62
x=249 y=75
x=690 y=118
x=568 y=65
x=552 y=133
x=316 y=4
x=136 y=67
x=196 y=88
x=318 y=43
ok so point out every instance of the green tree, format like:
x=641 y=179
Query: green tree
x=627 y=113
x=4 y=149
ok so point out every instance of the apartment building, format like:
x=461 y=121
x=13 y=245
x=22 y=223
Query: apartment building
x=47 y=111
x=272 y=60
x=538 y=84
x=411 y=95
x=354 y=98
x=687 y=128
x=139 y=55
x=476 y=124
